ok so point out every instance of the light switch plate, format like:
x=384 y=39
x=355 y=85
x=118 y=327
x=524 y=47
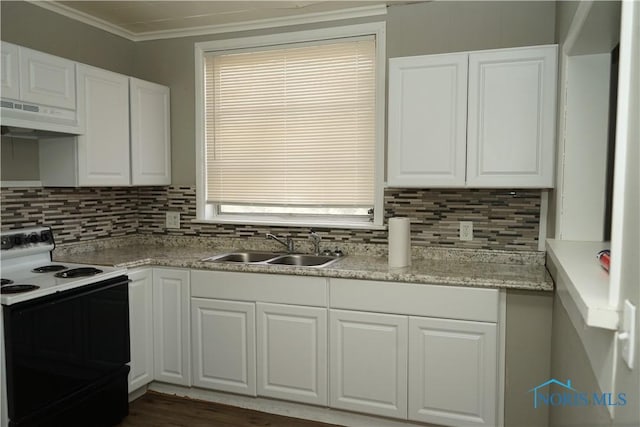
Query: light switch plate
x=173 y=219
x=628 y=335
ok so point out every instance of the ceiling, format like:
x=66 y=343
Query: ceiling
x=144 y=20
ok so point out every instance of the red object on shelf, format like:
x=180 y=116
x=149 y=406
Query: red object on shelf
x=604 y=258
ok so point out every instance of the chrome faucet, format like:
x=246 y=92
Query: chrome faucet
x=288 y=242
x=315 y=239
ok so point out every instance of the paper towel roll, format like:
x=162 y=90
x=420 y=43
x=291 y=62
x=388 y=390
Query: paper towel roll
x=399 y=242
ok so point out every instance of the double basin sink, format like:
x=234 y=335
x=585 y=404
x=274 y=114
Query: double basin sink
x=272 y=258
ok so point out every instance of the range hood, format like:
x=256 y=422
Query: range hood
x=27 y=133
x=27 y=120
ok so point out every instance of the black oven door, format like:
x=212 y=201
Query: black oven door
x=63 y=348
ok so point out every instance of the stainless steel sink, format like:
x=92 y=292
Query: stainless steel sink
x=273 y=258
x=243 y=257
x=304 y=260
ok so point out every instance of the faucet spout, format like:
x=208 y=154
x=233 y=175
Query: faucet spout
x=288 y=242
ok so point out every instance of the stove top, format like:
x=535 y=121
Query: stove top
x=27 y=270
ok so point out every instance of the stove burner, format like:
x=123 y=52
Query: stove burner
x=49 y=268
x=78 y=272
x=4 y=282
x=16 y=289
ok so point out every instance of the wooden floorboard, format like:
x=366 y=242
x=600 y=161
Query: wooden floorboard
x=162 y=410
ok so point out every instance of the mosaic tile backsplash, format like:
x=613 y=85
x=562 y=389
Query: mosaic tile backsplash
x=502 y=219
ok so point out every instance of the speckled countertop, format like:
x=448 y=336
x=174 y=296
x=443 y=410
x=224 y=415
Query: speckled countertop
x=459 y=270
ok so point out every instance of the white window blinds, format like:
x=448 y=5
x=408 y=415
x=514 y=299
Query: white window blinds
x=292 y=126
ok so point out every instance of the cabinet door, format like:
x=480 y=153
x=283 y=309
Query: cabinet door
x=452 y=372
x=150 y=134
x=10 y=72
x=103 y=151
x=511 y=128
x=427 y=121
x=292 y=353
x=224 y=349
x=141 y=328
x=171 y=334
x=368 y=363
x=47 y=79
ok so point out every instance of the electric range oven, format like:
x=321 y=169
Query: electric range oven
x=65 y=336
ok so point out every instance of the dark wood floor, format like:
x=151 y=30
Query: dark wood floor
x=161 y=410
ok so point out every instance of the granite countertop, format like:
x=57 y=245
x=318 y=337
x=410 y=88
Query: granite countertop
x=369 y=267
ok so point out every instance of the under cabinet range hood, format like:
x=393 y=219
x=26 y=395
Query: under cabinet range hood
x=38 y=91
x=23 y=120
x=30 y=133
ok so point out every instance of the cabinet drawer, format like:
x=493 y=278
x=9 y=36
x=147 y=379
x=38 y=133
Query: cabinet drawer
x=274 y=288
x=449 y=302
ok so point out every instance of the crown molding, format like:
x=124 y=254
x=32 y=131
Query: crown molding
x=307 y=18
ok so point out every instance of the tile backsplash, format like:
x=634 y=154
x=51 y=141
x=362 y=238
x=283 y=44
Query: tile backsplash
x=502 y=219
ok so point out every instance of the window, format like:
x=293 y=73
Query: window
x=290 y=131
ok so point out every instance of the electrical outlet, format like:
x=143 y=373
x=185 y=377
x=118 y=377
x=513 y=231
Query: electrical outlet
x=466 y=230
x=173 y=219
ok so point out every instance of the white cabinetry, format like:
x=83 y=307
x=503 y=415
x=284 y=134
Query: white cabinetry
x=10 y=71
x=427 y=120
x=38 y=90
x=103 y=150
x=511 y=127
x=292 y=353
x=126 y=141
x=369 y=363
x=47 y=79
x=224 y=351
x=141 y=328
x=260 y=334
x=452 y=372
x=493 y=111
x=415 y=364
x=150 y=133
x=171 y=334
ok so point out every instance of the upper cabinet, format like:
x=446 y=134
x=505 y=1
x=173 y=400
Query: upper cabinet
x=47 y=79
x=150 y=133
x=126 y=139
x=473 y=119
x=10 y=71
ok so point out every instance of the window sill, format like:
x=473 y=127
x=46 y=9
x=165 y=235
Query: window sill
x=293 y=223
x=578 y=275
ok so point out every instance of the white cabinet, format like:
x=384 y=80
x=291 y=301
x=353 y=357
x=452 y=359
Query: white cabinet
x=171 y=333
x=473 y=119
x=427 y=120
x=103 y=150
x=126 y=141
x=292 y=353
x=10 y=71
x=150 y=133
x=368 y=360
x=224 y=352
x=511 y=126
x=141 y=328
x=47 y=79
x=453 y=373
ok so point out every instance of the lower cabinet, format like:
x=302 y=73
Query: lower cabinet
x=224 y=351
x=172 y=329
x=369 y=363
x=453 y=374
x=140 y=328
x=292 y=353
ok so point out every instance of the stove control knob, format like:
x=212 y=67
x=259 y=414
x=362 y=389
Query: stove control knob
x=7 y=242
x=18 y=239
x=46 y=236
x=33 y=238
